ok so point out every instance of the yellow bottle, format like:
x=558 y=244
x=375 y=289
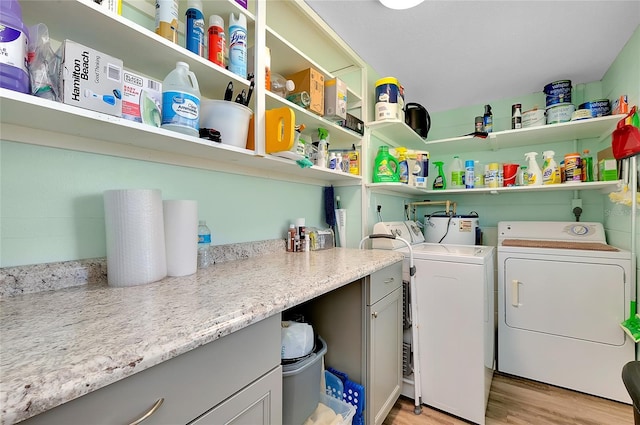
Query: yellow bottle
x=550 y=170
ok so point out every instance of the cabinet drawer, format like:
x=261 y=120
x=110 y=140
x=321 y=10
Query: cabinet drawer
x=383 y=282
x=190 y=384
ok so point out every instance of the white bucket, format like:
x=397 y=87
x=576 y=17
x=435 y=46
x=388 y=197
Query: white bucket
x=231 y=119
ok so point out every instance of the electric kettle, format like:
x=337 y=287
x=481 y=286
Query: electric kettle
x=417 y=117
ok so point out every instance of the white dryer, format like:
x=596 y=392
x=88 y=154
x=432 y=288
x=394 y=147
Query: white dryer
x=562 y=294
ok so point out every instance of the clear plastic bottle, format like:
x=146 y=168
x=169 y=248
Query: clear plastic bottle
x=217 y=40
x=204 y=242
x=238 y=44
x=194 y=35
x=280 y=85
x=181 y=101
x=457 y=173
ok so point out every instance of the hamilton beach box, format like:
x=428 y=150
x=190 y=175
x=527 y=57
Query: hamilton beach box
x=90 y=79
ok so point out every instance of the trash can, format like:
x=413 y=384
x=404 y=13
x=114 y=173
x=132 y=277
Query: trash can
x=301 y=385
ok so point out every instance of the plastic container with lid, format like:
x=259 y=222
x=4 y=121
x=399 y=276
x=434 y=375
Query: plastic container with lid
x=573 y=167
x=389 y=101
x=281 y=86
x=457 y=173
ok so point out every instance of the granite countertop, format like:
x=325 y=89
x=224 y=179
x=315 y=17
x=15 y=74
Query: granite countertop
x=59 y=345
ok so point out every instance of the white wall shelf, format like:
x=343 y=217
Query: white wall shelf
x=553 y=133
x=400 y=188
x=397 y=133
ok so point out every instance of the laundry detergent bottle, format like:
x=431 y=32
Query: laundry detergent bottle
x=403 y=164
x=385 y=167
x=14 y=40
x=550 y=170
x=534 y=174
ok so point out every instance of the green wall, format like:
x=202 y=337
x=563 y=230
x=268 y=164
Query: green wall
x=52 y=207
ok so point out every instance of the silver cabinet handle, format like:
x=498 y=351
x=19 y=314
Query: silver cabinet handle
x=374 y=314
x=151 y=411
x=390 y=280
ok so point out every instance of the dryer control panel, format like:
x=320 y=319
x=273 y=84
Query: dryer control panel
x=552 y=231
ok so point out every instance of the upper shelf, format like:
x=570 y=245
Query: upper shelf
x=30 y=119
x=148 y=53
x=551 y=133
x=397 y=133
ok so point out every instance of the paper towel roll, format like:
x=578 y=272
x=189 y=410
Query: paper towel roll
x=181 y=236
x=135 y=237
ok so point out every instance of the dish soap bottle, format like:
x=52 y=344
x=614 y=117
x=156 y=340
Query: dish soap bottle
x=550 y=170
x=403 y=165
x=385 y=167
x=457 y=173
x=440 y=182
x=534 y=174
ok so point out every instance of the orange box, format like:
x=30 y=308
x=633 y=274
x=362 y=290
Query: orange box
x=311 y=81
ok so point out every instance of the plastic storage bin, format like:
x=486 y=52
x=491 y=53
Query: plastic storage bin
x=339 y=407
x=301 y=386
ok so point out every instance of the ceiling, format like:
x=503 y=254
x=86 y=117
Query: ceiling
x=450 y=54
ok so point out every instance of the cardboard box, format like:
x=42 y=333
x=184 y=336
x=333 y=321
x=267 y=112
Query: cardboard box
x=141 y=99
x=335 y=99
x=90 y=79
x=608 y=170
x=311 y=81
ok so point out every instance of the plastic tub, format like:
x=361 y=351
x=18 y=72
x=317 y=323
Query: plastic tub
x=560 y=113
x=301 y=386
x=231 y=119
x=339 y=407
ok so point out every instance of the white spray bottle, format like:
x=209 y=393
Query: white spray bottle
x=533 y=170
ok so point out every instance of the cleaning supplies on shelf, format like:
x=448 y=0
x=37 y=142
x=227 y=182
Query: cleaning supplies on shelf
x=457 y=173
x=181 y=101
x=217 y=40
x=280 y=85
x=439 y=182
x=487 y=119
x=403 y=165
x=194 y=34
x=550 y=170
x=534 y=174
x=238 y=44
x=14 y=41
x=385 y=167
x=167 y=19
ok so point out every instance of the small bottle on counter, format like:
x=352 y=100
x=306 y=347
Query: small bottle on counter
x=302 y=245
x=204 y=241
x=291 y=238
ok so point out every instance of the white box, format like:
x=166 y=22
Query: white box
x=90 y=79
x=114 y=6
x=335 y=99
x=141 y=99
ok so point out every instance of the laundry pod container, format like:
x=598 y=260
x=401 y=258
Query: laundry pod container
x=231 y=119
x=451 y=229
x=301 y=384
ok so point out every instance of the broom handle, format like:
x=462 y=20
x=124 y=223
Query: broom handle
x=634 y=208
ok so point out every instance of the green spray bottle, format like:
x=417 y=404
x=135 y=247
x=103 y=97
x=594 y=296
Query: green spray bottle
x=440 y=182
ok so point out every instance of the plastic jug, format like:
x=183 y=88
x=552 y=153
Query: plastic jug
x=181 y=101
x=14 y=40
x=385 y=167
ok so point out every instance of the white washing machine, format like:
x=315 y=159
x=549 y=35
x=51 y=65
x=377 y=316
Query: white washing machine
x=562 y=294
x=454 y=299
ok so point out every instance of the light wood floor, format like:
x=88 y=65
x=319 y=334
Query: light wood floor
x=518 y=401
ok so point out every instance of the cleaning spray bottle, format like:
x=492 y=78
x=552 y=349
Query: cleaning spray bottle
x=550 y=170
x=534 y=174
x=385 y=167
x=439 y=182
x=403 y=165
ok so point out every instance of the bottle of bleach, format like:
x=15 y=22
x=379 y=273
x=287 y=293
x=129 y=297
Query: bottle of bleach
x=534 y=174
x=238 y=44
x=181 y=101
